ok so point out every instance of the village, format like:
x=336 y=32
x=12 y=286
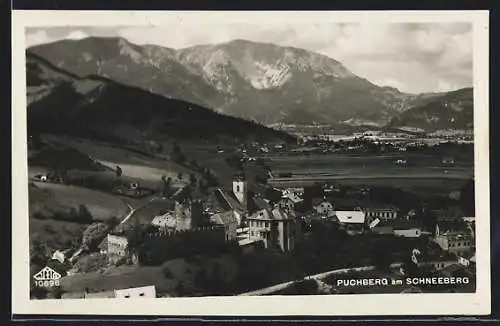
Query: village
x=250 y=219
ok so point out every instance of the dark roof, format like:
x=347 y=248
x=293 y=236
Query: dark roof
x=436 y=256
x=455 y=270
x=257 y=188
x=274 y=195
x=257 y=203
x=221 y=199
x=103 y=244
x=318 y=200
x=225 y=218
x=452 y=227
x=346 y=203
x=451 y=212
x=401 y=224
x=188 y=193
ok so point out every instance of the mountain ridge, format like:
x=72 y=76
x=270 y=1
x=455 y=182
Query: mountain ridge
x=94 y=103
x=257 y=81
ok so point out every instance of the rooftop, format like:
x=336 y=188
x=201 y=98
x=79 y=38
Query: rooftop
x=225 y=218
x=350 y=217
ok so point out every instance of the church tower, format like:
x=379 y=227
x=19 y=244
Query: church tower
x=240 y=190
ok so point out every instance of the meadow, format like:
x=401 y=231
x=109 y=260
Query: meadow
x=424 y=172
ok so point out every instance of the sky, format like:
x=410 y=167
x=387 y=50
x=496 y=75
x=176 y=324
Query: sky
x=413 y=57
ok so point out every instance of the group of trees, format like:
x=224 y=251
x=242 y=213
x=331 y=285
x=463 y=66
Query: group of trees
x=177 y=154
x=81 y=215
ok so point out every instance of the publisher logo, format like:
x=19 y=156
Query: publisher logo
x=47 y=278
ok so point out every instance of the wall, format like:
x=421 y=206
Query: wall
x=240 y=191
x=231 y=231
x=454 y=244
x=287 y=206
x=117 y=247
x=381 y=214
x=161 y=247
x=324 y=207
x=188 y=214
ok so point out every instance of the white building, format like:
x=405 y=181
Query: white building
x=240 y=191
x=407 y=228
x=273 y=227
x=139 y=292
x=324 y=208
x=352 y=221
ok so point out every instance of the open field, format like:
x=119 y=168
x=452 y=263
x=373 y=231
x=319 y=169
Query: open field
x=59 y=196
x=55 y=234
x=206 y=156
x=118 y=278
x=145 y=169
x=180 y=271
x=424 y=173
x=147 y=210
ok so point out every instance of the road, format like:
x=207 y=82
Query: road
x=316 y=277
x=133 y=210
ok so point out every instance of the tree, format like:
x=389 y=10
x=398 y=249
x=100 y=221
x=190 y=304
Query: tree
x=118 y=172
x=467 y=200
x=84 y=215
x=38 y=252
x=112 y=222
x=38 y=293
x=93 y=235
x=167 y=183
x=192 y=179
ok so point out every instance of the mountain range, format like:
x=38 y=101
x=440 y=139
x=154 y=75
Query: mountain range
x=255 y=81
x=61 y=102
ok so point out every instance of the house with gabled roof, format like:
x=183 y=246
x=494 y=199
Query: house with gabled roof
x=456 y=240
x=165 y=222
x=352 y=221
x=273 y=227
x=229 y=221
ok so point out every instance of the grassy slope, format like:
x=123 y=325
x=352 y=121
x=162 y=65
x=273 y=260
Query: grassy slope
x=135 y=166
x=181 y=271
x=56 y=197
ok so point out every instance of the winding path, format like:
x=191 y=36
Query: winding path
x=315 y=277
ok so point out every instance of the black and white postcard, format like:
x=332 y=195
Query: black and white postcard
x=251 y=163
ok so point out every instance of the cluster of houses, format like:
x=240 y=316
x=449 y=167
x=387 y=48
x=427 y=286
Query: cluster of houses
x=272 y=218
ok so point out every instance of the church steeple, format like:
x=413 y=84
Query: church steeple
x=240 y=190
